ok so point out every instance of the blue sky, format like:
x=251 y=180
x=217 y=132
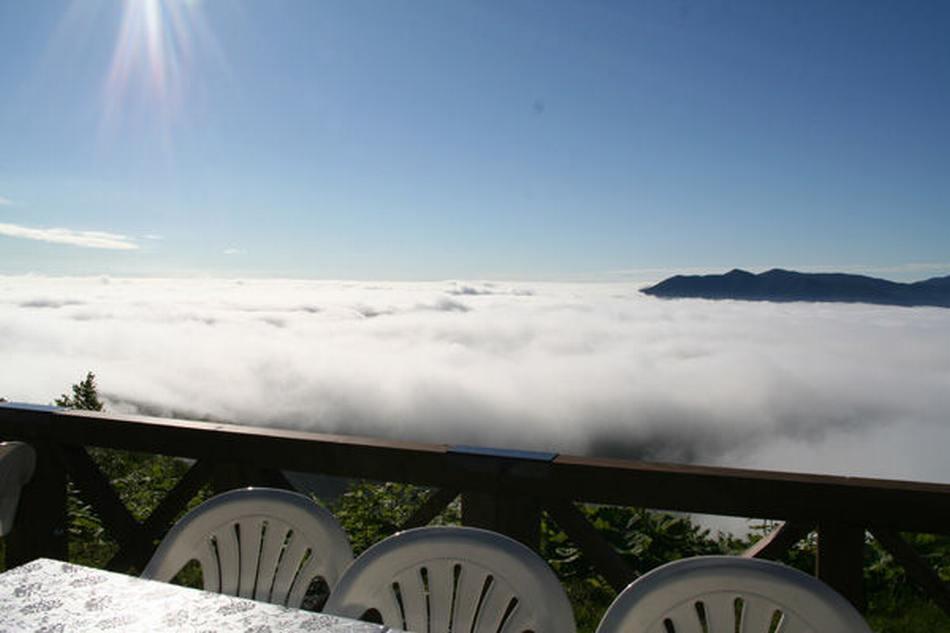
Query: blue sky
x=432 y=140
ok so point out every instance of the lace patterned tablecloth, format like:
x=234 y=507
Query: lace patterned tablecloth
x=50 y=596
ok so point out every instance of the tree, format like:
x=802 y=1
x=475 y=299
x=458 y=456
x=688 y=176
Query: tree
x=85 y=396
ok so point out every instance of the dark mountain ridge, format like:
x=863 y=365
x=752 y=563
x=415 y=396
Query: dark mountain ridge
x=788 y=285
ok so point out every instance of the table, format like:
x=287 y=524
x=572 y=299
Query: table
x=51 y=596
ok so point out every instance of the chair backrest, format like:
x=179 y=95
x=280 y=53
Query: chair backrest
x=440 y=579
x=17 y=462
x=260 y=543
x=726 y=594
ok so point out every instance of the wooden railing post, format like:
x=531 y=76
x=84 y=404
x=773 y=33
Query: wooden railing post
x=840 y=561
x=517 y=517
x=40 y=528
x=227 y=476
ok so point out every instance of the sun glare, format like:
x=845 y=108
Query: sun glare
x=153 y=55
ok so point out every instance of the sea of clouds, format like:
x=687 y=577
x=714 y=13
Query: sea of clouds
x=597 y=369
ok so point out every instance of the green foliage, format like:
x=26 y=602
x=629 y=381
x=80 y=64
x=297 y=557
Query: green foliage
x=369 y=512
x=913 y=615
x=85 y=395
x=895 y=604
x=645 y=539
x=589 y=601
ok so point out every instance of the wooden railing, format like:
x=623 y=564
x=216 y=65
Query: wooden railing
x=501 y=490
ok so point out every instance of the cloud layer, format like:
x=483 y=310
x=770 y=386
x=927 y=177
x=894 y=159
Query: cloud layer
x=583 y=368
x=87 y=239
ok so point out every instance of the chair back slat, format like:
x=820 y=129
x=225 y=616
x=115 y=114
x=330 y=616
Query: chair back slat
x=470 y=582
x=756 y=617
x=441 y=589
x=719 y=611
x=493 y=610
x=681 y=619
x=229 y=558
x=412 y=596
x=389 y=606
x=289 y=564
x=207 y=558
x=273 y=537
x=249 y=536
x=518 y=621
x=308 y=571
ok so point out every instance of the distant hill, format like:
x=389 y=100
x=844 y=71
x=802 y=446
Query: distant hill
x=788 y=285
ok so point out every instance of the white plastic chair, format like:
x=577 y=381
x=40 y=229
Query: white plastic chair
x=260 y=543
x=17 y=462
x=440 y=579
x=730 y=594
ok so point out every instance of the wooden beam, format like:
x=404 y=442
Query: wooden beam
x=840 y=561
x=432 y=507
x=909 y=506
x=40 y=526
x=594 y=547
x=517 y=517
x=252 y=475
x=917 y=569
x=158 y=522
x=274 y=478
x=96 y=490
x=776 y=543
x=792 y=497
x=227 y=476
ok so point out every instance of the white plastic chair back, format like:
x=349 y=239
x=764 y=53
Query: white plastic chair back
x=259 y=543
x=17 y=462
x=440 y=579
x=730 y=594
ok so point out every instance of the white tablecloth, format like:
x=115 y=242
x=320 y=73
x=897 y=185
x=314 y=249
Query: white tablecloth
x=50 y=596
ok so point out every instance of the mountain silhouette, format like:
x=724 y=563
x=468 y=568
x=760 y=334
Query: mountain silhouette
x=788 y=285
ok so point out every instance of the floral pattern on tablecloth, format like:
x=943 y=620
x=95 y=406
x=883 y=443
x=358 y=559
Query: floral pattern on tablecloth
x=48 y=596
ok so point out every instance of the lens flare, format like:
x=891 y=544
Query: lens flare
x=153 y=57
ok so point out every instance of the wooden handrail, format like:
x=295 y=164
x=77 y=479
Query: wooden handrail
x=901 y=505
x=500 y=489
